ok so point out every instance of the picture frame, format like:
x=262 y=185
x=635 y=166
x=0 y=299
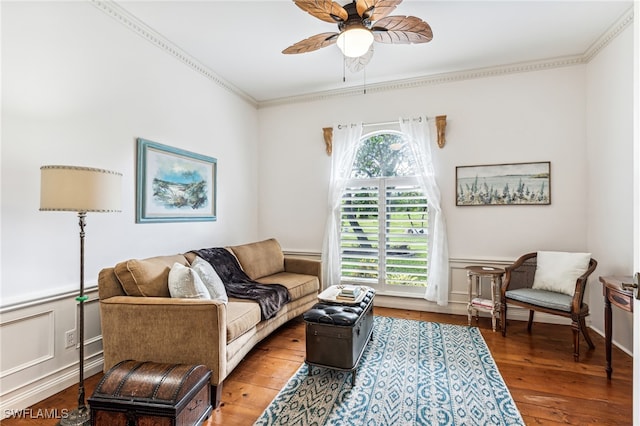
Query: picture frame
x=174 y=185
x=504 y=184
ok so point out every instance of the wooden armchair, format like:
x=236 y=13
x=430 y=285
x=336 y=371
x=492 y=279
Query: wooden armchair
x=517 y=290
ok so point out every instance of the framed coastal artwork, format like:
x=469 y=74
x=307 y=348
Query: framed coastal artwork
x=504 y=184
x=174 y=185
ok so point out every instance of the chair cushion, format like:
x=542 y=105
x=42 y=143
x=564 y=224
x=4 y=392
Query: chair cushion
x=558 y=271
x=547 y=299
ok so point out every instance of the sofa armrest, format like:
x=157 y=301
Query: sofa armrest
x=162 y=329
x=302 y=265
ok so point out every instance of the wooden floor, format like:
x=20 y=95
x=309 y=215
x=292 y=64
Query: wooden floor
x=547 y=385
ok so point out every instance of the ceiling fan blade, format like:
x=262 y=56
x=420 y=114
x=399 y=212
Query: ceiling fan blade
x=402 y=30
x=325 y=10
x=312 y=43
x=357 y=64
x=376 y=9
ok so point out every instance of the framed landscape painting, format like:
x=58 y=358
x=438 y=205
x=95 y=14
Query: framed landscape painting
x=174 y=185
x=504 y=184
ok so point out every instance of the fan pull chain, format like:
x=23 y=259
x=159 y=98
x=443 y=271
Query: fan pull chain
x=344 y=69
x=364 y=80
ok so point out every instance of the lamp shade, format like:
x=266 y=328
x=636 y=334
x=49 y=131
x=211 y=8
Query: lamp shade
x=355 y=42
x=80 y=189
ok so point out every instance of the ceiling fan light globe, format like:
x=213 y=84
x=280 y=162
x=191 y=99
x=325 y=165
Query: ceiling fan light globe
x=355 y=42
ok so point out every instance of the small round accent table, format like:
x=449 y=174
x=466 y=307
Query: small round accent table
x=476 y=301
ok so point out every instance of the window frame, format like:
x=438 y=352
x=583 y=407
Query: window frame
x=382 y=185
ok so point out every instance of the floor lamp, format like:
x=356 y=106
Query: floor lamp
x=81 y=190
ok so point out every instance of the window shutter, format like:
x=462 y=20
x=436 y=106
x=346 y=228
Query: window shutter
x=359 y=237
x=388 y=210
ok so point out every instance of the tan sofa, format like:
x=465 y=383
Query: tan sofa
x=141 y=321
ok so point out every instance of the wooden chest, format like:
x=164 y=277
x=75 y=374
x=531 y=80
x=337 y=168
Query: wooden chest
x=134 y=393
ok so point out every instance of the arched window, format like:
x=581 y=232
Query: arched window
x=384 y=217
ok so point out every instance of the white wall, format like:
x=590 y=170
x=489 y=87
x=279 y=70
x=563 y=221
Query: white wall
x=533 y=116
x=610 y=158
x=542 y=115
x=78 y=88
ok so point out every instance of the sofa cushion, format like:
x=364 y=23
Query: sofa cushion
x=299 y=285
x=260 y=259
x=185 y=283
x=242 y=316
x=210 y=278
x=147 y=277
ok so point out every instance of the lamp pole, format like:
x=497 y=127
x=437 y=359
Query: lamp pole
x=80 y=416
x=81 y=190
x=81 y=299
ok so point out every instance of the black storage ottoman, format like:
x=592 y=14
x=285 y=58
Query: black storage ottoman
x=337 y=334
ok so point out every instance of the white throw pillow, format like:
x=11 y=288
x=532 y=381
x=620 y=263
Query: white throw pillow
x=558 y=271
x=211 y=279
x=185 y=283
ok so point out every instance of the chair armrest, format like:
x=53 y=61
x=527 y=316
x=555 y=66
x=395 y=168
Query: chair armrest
x=162 y=329
x=302 y=265
x=581 y=284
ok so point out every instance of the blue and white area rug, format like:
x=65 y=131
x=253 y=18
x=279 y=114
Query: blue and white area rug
x=412 y=373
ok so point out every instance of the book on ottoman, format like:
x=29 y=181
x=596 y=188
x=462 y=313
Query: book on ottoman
x=136 y=393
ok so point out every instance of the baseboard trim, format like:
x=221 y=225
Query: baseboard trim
x=457 y=308
x=37 y=390
x=614 y=342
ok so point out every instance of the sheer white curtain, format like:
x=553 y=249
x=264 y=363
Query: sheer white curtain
x=418 y=136
x=346 y=139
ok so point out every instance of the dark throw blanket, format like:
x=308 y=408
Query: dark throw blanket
x=270 y=297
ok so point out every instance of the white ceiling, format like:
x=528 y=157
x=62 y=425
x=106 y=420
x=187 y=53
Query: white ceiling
x=242 y=41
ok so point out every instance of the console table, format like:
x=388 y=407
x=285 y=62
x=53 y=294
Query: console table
x=614 y=294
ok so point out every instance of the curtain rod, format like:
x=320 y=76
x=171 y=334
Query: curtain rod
x=382 y=123
x=441 y=124
x=387 y=123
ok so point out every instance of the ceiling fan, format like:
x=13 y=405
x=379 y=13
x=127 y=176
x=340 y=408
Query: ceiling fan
x=360 y=22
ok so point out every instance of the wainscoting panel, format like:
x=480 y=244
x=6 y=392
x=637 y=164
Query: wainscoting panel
x=37 y=348
x=36 y=360
x=92 y=331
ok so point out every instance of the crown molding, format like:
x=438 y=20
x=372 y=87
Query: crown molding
x=615 y=30
x=429 y=80
x=134 y=24
x=137 y=26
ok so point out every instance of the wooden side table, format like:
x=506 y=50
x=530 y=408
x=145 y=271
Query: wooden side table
x=623 y=299
x=478 y=303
